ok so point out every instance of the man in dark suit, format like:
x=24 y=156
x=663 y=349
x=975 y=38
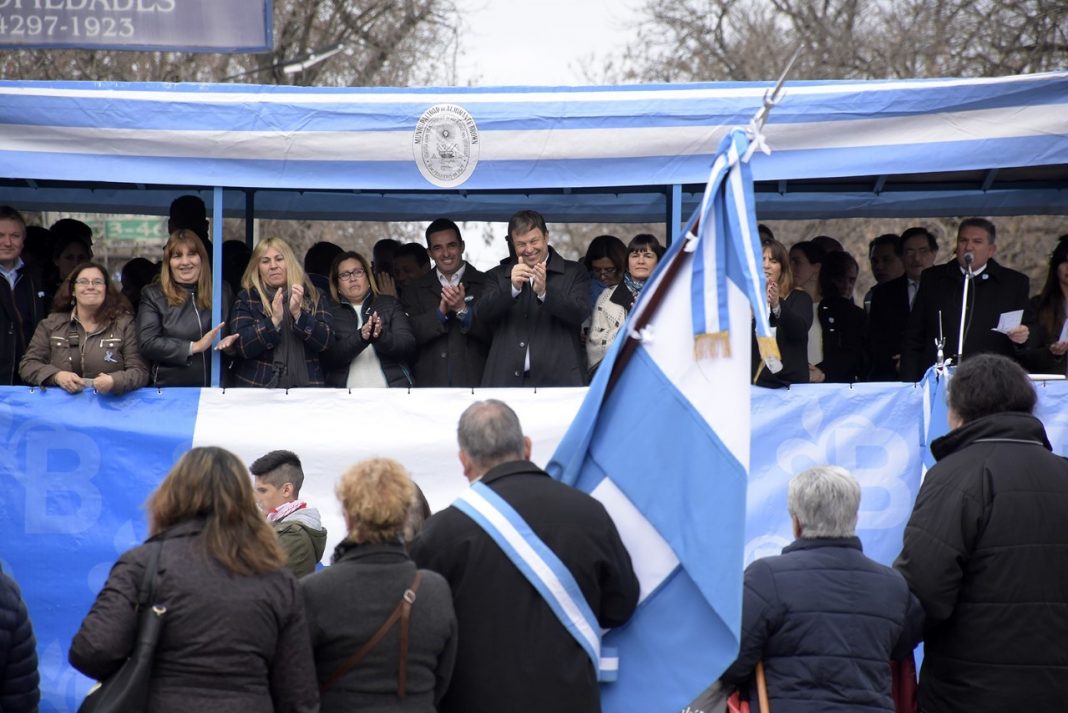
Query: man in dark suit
x=439 y=308
x=22 y=296
x=891 y=302
x=994 y=290
x=534 y=310
x=514 y=653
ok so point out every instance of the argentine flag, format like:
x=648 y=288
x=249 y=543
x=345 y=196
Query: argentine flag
x=662 y=439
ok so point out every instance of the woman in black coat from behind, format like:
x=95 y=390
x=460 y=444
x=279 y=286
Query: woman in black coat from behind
x=350 y=601
x=234 y=637
x=364 y=318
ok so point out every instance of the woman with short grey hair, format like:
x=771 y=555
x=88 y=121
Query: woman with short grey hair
x=821 y=603
x=823 y=502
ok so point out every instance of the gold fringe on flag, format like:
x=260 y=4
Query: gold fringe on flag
x=712 y=345
x=768 y=347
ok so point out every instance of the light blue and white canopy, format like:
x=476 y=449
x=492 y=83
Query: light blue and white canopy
x=917 y=147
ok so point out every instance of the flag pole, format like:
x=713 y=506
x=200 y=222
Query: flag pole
x=771 y=97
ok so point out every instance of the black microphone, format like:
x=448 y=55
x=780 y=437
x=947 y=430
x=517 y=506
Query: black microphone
x=968 y=259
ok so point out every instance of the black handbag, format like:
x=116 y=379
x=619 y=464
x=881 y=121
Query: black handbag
x=126 y=691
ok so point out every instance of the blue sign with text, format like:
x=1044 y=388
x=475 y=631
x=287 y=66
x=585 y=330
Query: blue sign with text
x=169 y=25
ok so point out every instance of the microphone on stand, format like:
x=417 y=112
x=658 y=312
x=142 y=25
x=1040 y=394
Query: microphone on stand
x=968 y=277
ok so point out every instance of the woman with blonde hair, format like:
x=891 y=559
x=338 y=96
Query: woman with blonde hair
x=383 y=632
x=234 y=636
x=361 y=318
x=174 y=328
x=280 y=321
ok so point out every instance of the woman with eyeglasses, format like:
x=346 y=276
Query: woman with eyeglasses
x=174 y=329
x=614 y=304
x=364 y=318
x=282 y=325
x=89 y=339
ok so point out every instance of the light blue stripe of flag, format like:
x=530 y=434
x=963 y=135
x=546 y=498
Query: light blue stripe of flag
x=936 y=411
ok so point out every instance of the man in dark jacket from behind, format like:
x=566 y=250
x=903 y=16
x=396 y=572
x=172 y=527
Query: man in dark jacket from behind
x=824 y=619
x=514 y=653
x=279 y=478
x=986 y=551
x=19 y=692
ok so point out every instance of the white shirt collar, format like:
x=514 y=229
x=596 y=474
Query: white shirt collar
x=454 y=280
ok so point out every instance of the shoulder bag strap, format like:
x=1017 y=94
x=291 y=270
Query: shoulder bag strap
x=405 y=618
x=403 y=609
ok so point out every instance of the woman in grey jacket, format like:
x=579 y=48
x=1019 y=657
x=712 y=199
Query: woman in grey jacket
x=369 y=579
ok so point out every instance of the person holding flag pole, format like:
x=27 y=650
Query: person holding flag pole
x=679 y=377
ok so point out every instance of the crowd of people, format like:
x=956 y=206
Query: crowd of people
x=415 y=316
x=911 y=319
x=468 y=610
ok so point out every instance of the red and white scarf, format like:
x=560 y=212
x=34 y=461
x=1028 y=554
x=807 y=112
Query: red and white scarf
x=285 y=510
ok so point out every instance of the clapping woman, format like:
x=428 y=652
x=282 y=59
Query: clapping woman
x=89 y=339
x=282 y=325
x=790 y=315
x=364 y=318
x=174 y=328
x=234 y=636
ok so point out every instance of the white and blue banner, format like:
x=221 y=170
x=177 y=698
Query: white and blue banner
x=367 y=145
x=160 y=25
x=75 y=471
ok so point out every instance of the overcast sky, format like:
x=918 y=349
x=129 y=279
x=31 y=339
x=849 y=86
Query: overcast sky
x=543 y=42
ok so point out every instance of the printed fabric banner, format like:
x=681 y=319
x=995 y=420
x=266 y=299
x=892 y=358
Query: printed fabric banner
x=167 y=25
x=75 y=471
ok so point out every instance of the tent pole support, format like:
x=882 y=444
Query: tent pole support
x=674 y=213
x=250 y=217
x=216 y=276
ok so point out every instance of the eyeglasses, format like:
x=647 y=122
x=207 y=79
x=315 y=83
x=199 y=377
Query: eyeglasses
x=85 y=282
x=351 y=275
x=607 y=271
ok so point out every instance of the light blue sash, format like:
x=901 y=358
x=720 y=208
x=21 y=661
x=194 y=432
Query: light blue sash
x=543 y=569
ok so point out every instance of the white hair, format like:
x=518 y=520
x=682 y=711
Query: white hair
x=825 y=500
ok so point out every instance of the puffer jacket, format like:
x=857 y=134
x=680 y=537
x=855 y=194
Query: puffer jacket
x=110 y=349
x=164 y=334
x=986 y=553
x=826 y=621
x=229 y=642
x=19 y=691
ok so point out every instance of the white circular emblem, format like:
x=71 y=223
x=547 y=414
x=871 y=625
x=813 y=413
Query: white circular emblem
x=445 y=144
